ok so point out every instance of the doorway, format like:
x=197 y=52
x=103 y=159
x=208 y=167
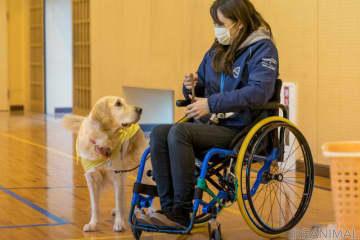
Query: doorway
x=58 y=57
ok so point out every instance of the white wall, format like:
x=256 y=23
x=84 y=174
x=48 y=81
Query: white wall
x=58 y=40
x=3 y=57
x=157 y=105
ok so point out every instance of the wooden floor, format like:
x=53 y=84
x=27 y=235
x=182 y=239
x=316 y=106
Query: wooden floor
x=43 y=194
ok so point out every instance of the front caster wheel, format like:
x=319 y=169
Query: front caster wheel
x=214 y=230
x=136 y=233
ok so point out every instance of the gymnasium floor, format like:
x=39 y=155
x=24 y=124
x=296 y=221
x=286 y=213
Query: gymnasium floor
x=43 y=194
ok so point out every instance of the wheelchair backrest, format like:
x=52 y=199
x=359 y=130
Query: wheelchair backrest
x=236 y=142
x=275 y=98
x=277 y=91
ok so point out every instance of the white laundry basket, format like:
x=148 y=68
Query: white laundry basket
x=345 y=183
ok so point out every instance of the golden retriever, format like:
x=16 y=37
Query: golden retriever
x=109 y=143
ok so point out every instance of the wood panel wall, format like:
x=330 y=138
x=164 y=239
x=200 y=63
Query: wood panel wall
x=81 y=57
x=151 y=44
x=37 y=74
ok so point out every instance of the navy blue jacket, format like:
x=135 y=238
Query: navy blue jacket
x=253 y=80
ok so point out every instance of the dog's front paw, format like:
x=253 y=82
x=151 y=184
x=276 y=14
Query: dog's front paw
x=90 y=227
x=119 y=225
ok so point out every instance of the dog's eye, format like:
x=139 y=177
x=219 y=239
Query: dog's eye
x=118 y=103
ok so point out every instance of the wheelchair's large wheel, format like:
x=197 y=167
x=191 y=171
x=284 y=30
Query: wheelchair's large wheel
x=202 y=218
x=276 y=158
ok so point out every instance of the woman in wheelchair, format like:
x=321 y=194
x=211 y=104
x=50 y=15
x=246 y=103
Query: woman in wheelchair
x=238 y=71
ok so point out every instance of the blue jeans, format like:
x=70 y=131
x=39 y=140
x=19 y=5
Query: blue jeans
x=173 y=151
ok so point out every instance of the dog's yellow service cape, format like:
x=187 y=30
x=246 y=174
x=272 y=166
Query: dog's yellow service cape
x=123 y=135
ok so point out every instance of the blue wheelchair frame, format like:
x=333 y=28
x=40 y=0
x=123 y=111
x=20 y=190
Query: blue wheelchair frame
x=141 y=201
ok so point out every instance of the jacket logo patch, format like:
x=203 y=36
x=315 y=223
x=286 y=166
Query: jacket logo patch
x=236 y=72
x=269 y=63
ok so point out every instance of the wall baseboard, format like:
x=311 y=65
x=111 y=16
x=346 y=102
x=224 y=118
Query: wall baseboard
x=321 y=170
x=17 y=108
x=147 y=127
x=63 y=110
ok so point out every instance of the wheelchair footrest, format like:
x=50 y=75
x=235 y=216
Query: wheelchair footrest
x=145 y=189
x=137 y=223
x=161 y=229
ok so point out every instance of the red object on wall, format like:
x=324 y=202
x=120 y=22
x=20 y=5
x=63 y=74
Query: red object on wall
x=286 y=96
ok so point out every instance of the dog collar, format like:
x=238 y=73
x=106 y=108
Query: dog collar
x=104 y=151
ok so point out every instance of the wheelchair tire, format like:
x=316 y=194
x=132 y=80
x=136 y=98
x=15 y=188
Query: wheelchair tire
x=277 y=177
x=136 y=233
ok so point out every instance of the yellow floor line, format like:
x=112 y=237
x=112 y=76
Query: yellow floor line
x=53 y=150
x=127 y=236
x=195 y=230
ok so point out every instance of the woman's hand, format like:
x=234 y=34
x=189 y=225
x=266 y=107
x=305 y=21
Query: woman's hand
x=198 y=109
x=191 y=80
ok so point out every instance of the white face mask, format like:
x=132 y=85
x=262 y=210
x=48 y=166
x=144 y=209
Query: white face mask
x=222 y=34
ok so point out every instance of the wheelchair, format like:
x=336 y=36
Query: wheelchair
x=267 y=169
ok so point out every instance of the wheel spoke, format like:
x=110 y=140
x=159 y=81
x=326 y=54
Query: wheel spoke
x=293 y=184
x=284 y=168
x=271 y=188
x=262 y=206
x=262 y=186
x=289 y=200
x=272 y=220
x=292 y=153
x=280 y=208
x=290 y=149
x=292 y=189
x=290 y=168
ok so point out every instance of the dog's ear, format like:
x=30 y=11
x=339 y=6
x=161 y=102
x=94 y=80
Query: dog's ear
x=101 y=112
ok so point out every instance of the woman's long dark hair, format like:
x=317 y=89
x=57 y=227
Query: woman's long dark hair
x=242 y=11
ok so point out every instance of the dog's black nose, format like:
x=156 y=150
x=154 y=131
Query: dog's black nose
x=138 y=110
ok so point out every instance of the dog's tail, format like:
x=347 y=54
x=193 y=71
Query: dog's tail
x=72 y=122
